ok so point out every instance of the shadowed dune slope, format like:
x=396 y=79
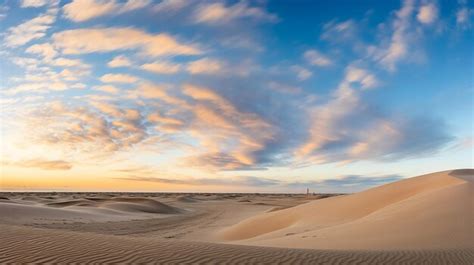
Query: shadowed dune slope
x=430 y=211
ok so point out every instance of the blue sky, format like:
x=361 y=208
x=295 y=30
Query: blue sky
x=233 y=95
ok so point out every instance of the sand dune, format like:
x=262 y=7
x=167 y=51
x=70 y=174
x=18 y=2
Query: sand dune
x=44 y=210
x=139 y=205
x=421 y=220
x=430 y=211
x=186 y=198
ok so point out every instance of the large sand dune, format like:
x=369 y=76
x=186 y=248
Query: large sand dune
x=421 y=220
x=430 y=211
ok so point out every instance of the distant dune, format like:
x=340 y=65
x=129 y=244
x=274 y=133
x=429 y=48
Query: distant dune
x=44 y=210
x=426 y=212
x=421 y=220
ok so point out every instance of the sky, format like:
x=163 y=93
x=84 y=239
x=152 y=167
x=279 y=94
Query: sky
x=233 y=96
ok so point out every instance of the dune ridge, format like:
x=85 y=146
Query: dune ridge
x=429 y=211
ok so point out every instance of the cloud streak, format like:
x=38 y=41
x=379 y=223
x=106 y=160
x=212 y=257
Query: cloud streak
x=350 y=183
x=78 y=41
x=82 y=10
x=32 y=29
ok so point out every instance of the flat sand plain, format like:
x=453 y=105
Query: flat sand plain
x=422 y=220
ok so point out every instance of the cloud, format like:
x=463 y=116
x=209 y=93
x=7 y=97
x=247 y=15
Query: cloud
x=301 y=72
x=32 y=29
x=366 y=79
x=82 y=10
x=118 y=78
x=427 y=13
x=66 y=62
x=108 y=89
x=119 y=61
x=161 y=67
x=79 y=130
x=79 y=41
x=217 y=13
x=170 y=5
x=131 y=5
x=158 y=118
x=463 y=17
x=3 y=11
x=351 y=183
x=396 y=48
x=147 y=90
x=46 y=50
x=110 y=110
x=37 y=87
x=205 y=66
x=231 y=138
x=86 y=9
x=347 y=129
x=34 y=3
x=314 y=57
x=47 y=73
x=338 y=32
x=46 y=164
x=249 y=181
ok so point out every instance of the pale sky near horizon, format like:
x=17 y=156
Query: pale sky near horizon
x=233 y=96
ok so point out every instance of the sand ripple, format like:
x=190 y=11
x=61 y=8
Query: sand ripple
x=23 y=245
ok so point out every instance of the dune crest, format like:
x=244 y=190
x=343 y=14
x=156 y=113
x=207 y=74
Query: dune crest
x=428 y=211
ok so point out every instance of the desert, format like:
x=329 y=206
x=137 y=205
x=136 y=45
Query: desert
x=237 y=132
x=421 y=220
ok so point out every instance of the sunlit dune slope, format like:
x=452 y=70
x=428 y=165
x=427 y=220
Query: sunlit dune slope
x=430 y=211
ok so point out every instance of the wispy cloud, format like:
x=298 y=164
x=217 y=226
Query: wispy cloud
x=427 y=13
x=205 y=66
x=161 y=67
x=118 y=78
x=34 y=3
x=32 y=29
x=82 y=10
x=43 y=164
x=350 y=183
x=248 y=181
x=79 y=41
x=316 y=58
x=119 y=61
x=218 y=13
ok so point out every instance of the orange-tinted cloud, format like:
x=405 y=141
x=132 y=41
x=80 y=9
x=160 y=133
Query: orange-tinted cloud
x=77 y=41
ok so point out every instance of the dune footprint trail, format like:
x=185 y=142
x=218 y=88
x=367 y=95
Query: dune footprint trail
x=433 y=211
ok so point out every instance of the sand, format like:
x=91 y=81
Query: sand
x=430 y=211
x=421 y=220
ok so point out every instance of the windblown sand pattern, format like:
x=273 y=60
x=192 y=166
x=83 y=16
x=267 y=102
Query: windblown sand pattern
x=31 y=245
